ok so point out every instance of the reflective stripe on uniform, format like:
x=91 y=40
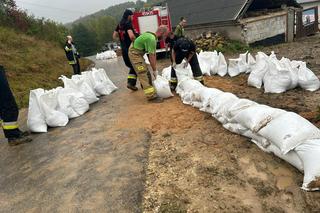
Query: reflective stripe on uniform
x=173 y=80
x=199 y=78
x=10 y=125
x=72 y=62
x=132 y=77
x=149 y=91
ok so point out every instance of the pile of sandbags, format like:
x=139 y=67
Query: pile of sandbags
x=55 y=107
x=209 y=42
x=109 y=54
x=285 y=134
x=212 y=63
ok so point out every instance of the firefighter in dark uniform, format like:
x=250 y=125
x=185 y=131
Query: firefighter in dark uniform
x=9 y=114
x=170 y=42
x=126 y=34
x=72 y=55
x=185 y=49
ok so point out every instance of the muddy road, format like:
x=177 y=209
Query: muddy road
x=126 y=155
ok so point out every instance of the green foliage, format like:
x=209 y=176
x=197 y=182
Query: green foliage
x=11 y=16
x=85 y=39
x=233 y=46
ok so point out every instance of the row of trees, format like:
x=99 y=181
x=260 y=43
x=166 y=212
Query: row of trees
x=13 y=17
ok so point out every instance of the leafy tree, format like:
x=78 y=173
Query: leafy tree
x=85 y=39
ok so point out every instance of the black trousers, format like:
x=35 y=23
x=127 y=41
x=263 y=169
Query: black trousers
x=8 y=108
x=76 y=68
x=132 y=76
x=195 y=67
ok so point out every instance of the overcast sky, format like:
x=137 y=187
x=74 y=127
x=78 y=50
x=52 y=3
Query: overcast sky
x=65 y=10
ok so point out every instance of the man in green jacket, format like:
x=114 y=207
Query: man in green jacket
x=146 y=43
x=179 y=31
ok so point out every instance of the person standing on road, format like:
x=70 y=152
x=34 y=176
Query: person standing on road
x=72 y=55
x=9 y=114
x=126 y=34
x=179 y=31
x=147 y=44
x=185 y=49
x=170 y=42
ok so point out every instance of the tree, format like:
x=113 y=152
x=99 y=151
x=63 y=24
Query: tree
x=85 y=39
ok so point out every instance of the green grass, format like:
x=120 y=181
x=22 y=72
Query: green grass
x=232 y=46
x=32 y=63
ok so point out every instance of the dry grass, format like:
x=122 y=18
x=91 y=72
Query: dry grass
x=32 y=63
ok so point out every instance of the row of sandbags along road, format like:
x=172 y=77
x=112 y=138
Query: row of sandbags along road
x=55 y=107
x=285 y=134
x=109 y=54
x=276 y=76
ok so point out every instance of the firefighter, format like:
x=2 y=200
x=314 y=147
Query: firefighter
x=72 y=55
x=185 y=49
x=9 y=114
x=179 y=31
x=147 y=44
x=126 y=34
x=170 y=42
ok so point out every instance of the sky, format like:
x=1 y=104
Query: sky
x=65 y=11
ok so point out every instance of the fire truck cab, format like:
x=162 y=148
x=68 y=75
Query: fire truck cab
x=148 y=20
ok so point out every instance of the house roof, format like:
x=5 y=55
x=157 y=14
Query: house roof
x=213 y=11
x=307 y=1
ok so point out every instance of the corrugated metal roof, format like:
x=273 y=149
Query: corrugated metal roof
x=205 y=11
x=213 y=11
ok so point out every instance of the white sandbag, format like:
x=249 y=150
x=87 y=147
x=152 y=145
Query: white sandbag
x=36 y=120
x=286 y=64
x=189 y=85
x=183 y=73
x=238 y=106
x=205 y=61
x=166 y=73
x=205 y=96
x=277 y=79
x=146 y=59
x=104 y=85
x=256 y=117
x=48 y=105
x=291 y=157
x=88 y=78
x=251 y=63
x=235 y=128
x=233 y=68
x=273 y=56
x=64 y=103
x=261 y=142
x=288 y=131
x=222 y=68
x=307 y=79
x=106 y=55
x=309 y=153
x=162 y=87
x=222 y=103
x=259 y=70
x=85 y=89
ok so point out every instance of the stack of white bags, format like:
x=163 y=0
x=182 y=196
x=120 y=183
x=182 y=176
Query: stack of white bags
x=55 y=107
x=110 y=54
x=277 y=76
x=285 y=134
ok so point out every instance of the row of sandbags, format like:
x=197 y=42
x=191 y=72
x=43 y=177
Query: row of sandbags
x=55 y=107
x=109 y=54
x=285 y=134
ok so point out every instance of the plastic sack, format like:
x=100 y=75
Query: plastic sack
x=235 y=128
x=222 y=103
x=183 y=73
x=307 y=79
x=277 y=80
x=222 y=68
x=261 y=142
x=238 y=106
x=309 y=153
x=205 y=96
x=104 y=85
x=88 y=78
x=166 y=73
x=106 y=55
x=36 y=120
x=162 y=87
x=251 y=63
x=259 y=70
x=205 y=61
x=233 y=68
x=256 y=117
x=288 y=131
x=48 y=105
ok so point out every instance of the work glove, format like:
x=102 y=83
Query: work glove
x=185 y=64
x=174 y=65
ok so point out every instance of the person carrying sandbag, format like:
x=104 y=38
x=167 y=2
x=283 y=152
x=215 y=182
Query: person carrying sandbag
x=146 y=44
x=9 y=114
x=184 y=48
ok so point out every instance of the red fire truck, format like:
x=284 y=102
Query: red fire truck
x=148 y=20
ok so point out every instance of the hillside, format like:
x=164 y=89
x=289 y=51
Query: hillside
x=32 y=63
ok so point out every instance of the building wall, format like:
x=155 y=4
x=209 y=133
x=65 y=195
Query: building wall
x=264 y=27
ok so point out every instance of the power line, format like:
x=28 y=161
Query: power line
x=53 y=8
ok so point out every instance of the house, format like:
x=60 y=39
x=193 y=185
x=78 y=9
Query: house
x=256 y=22
x=310 y=7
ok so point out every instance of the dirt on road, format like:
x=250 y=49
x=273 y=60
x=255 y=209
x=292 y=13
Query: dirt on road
x=127 y=155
